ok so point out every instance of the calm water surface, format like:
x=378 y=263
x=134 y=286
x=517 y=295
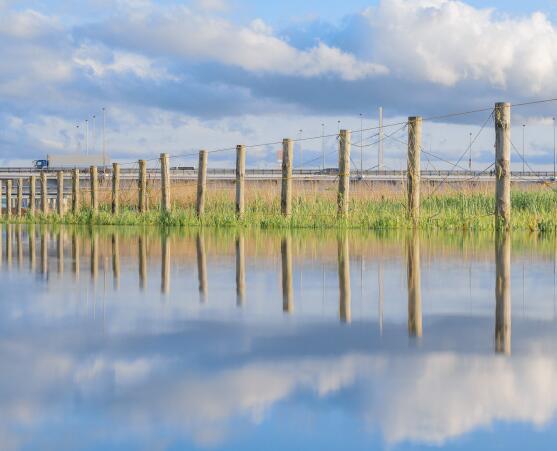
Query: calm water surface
x=123 y=338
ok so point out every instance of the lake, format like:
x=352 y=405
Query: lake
x=130 y=338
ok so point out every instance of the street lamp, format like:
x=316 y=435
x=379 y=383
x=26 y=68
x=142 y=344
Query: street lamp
x=470 y=154
x=523 y=147
x=361 y=144
x=323 y=145
x=301 y=150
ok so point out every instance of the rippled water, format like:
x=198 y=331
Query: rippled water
x=126 y=338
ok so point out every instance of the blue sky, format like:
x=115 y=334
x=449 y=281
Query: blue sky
x=180 y=76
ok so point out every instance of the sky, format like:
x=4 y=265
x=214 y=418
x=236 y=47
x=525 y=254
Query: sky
x=179 y=76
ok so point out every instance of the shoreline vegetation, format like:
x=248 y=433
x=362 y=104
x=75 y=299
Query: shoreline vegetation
x=381 y=207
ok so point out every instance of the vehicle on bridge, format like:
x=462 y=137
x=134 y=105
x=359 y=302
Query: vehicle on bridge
x=79 y=161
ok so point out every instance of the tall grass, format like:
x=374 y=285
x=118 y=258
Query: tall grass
x=314 y=206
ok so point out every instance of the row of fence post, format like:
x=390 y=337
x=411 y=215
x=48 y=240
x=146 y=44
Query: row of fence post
x=502 y=173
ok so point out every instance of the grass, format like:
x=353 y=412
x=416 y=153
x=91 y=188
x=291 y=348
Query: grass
x=314 y=206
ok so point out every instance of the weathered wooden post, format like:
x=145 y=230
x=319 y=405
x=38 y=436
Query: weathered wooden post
x=32 y=194
x=201 y=266
x=201 y=183
x=165 y=183
x=413 y=170
x=502 y=291
x=44 y=193
x=20 y=197
x=240 y=269
x=142 y=187
x=165 y=264
x=344 y=172
x=115 y=188
x=75 y=191
x=502 y=165
x=94 y=183
x=115 y=261
x=286 y=191
x=240 y=179
x=9 y=198
x=413 y=275
x=60 y=194
x=142 y=257
x=344 y=279
x=286 y=260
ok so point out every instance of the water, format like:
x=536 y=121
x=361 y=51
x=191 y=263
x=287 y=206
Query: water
x=120 y=338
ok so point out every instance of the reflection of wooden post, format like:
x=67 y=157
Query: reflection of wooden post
x=19 y=245
x=286 y=257
x=60 y=196
x=9 y=245
x=201 y=266
x=142 y=188
x=344 y=279
x=201 y=183
x=44 y=193
x=94 y=255
x=413 y=172
x=9 y=199
x=142 y=251
x=503 y=292
x=240 y=269
x=32 y=194
x=502 y=165
x=32 y=251
x=75 y=191
x=414 y=287
x=60 y=251
x=165 y=183
x=115 y=261
x=94 y=184
x=240 y=179
x=286 y=192
x=20 y=197
x=115 y=188
x=44 y=251
x=165 y=266
x=344 y=172
x=75 y=254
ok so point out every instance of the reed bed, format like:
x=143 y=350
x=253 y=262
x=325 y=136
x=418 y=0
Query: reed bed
x=372 y=206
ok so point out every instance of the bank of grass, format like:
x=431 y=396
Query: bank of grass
x=533 y=209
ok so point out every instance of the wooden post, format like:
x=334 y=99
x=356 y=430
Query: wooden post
x=413 y=275
x=44 y=193
x=9 y=198
x=94 y=183
x=201 y=183
x=20 y=197
x=413 y=171
x=165 y=264
x=240 y=269
x=344 y=172
x=60 y=194
x=115 y=261
x=344 y=279
x=502 y=291
x=32 y=194
x=502 y=165
x=142 y=257
x=286 y=192
x=286 y=260
x=115 y=188
x=165 y=183
x=75 y=191
x=201 y=266
x=142 y=187
x=240 y=176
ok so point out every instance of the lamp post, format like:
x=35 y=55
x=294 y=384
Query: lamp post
x=523 y=148
x=470 y=154
x=361 y=145
x=323 y=145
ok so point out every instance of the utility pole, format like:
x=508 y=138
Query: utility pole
x=380 y=150
x=103 y=140
x=94 y=147
x=301 y=150
x=78 y=142
x=523 y=147
x=361 y=145
x=323 y=145
x=470 y=154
